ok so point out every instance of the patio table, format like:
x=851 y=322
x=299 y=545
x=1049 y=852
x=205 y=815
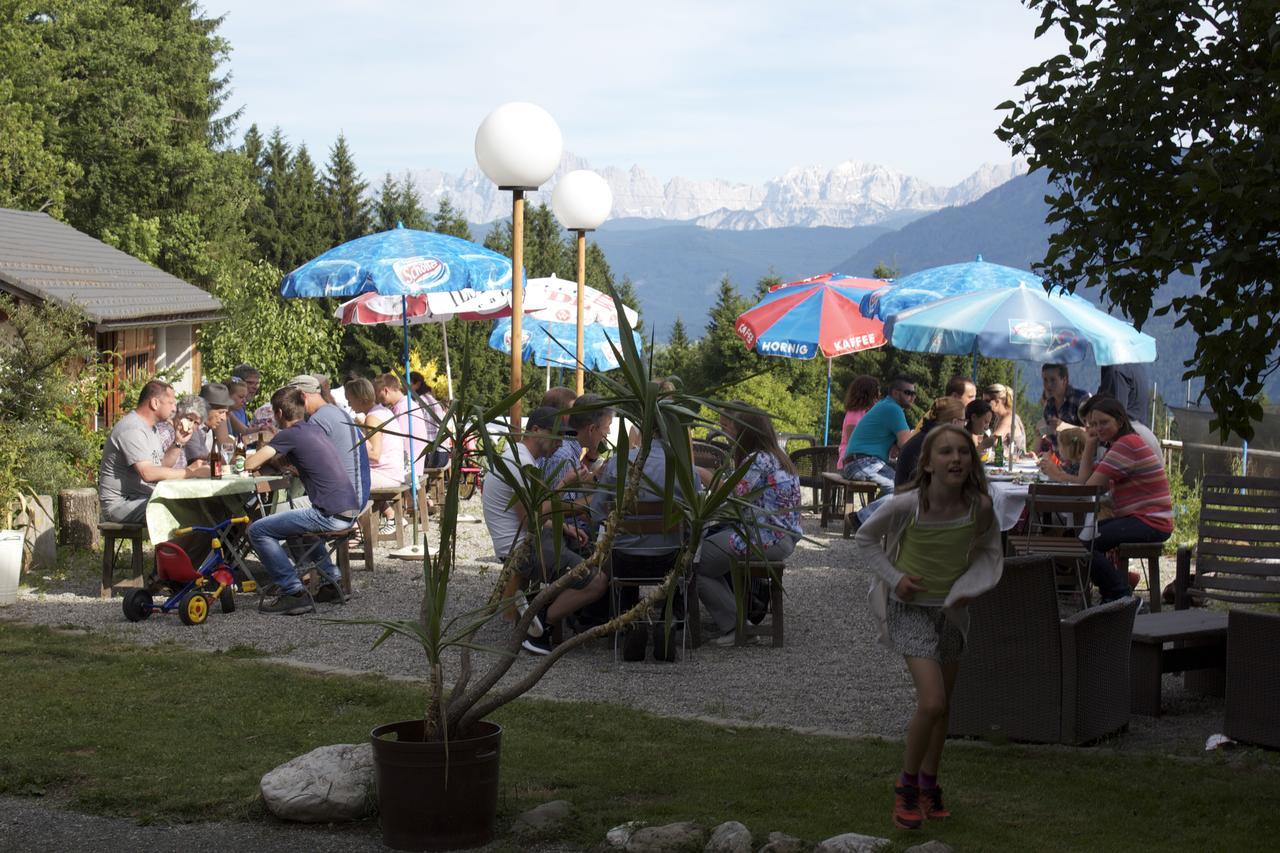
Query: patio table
x=181 y=503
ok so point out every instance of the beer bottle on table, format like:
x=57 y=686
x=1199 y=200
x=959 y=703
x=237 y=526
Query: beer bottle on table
x=215 y=461
x=999 y=454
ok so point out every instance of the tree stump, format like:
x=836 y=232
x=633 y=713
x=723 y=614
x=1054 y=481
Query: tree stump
x=78 y=518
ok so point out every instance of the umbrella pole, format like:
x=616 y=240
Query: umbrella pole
x=826 y=424
x=415 y=549
x=448 y=373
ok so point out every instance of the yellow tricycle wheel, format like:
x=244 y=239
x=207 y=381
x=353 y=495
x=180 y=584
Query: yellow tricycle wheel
x=194 y=608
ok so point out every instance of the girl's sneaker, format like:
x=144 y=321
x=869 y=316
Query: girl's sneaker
x=906 y=807
x=931 y=804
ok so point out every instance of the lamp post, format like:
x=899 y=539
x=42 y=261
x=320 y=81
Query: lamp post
x=581 y=201
x=518 y=146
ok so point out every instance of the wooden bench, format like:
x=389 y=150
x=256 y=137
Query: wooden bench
x=396 y=496
x=1197 y=640
x=113 y=531
x=772 y=572
x=852 y=495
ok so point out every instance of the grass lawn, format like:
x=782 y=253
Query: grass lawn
x=161 y=733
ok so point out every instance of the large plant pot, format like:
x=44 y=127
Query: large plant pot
x=430 y=800
x=10 y=564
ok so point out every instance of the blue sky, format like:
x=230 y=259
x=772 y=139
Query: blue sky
x=738 y=90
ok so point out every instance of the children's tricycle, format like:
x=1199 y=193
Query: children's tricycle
x=191 y=591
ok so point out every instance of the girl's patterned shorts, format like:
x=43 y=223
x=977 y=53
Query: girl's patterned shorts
x=923 y=632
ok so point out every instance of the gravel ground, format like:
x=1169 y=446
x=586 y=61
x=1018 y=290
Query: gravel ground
x=830 y=677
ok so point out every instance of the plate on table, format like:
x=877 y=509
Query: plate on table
x=1001 y=476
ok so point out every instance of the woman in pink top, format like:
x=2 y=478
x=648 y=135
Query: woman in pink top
x=385 y=447
x=862 y=394
x=1139 y=492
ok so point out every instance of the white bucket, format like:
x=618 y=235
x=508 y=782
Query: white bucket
x=10 y=565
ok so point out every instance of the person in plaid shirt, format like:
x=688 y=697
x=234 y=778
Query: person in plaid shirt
x=1061 y=401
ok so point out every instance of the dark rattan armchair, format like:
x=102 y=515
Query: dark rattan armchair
x=1029 y=676
x=811 y=463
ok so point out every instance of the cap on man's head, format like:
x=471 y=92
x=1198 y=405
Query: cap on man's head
x=543 y=418
x=216 y=396
x=306 y=383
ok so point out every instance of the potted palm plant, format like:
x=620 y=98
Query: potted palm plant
x=437 y=775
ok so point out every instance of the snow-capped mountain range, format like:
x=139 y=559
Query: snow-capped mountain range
x=851 y=193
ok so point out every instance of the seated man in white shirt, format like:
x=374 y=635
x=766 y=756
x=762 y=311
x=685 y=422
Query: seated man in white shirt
x=508 y=528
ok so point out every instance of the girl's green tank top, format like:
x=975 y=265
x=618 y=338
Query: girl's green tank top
x=937 y=552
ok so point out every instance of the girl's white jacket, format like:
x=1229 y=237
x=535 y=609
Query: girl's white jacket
x=880 y=537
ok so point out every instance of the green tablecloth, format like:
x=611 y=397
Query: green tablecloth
x=181 y=503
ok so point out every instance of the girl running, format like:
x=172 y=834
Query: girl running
x=933 y=546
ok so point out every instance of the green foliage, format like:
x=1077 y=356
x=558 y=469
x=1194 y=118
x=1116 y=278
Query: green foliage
x=281 y=337
x=345 y=191
x=119 y=102
x=1186 y=508
x=50 y=389
x=1158 y=130
x=398 y=203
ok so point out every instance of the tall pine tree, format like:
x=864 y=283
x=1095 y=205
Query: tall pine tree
x=345 y=191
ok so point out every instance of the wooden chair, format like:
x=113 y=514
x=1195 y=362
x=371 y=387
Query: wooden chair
x=757 y=569
x=1237 y=554
x=1056 y=513
x=114 y=532
x=339 y=544
x=649 y=517
x=811 y=463
x=1150 y=553
x=395 y=496
x=845 y=497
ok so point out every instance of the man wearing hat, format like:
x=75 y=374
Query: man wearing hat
x=341 y=431
x=218 y=401
x=508 y=528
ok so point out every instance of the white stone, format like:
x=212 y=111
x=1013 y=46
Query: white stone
x=327 y=785
x=671 y=838
x=780 y=842
x=544 y=820
x=933 y=846
x=621 y=834
x=729 y=837
x=851 y=842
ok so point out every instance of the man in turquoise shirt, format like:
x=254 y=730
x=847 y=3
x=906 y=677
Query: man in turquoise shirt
x=883 y=426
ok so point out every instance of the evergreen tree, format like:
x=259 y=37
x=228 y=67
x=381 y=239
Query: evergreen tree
x=386 y=207
x=545 y=252
x=117 y=107
x=410 y=203
x=306 y=215
x=345 y=191
x=449 y=221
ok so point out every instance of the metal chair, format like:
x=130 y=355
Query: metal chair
x=649 y=517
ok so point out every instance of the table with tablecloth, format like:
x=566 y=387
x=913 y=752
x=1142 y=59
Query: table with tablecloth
x=182 y=503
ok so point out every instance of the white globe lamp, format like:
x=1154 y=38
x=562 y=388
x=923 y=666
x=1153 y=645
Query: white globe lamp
x=518 y=146
x=581 y=200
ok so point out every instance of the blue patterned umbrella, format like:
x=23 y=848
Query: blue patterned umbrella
x=940 y=282
x=549 y=344
x=1020 y=322
x=399 y=262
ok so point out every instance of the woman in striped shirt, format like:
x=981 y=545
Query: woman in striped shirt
x=1139 y=493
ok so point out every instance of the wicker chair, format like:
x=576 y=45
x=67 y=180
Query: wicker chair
x=1029 y=676
x=709 y=454
x=811 y=463
x=1253 y=678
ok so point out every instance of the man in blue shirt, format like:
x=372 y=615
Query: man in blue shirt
x=881 y=428
x=333 y=504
